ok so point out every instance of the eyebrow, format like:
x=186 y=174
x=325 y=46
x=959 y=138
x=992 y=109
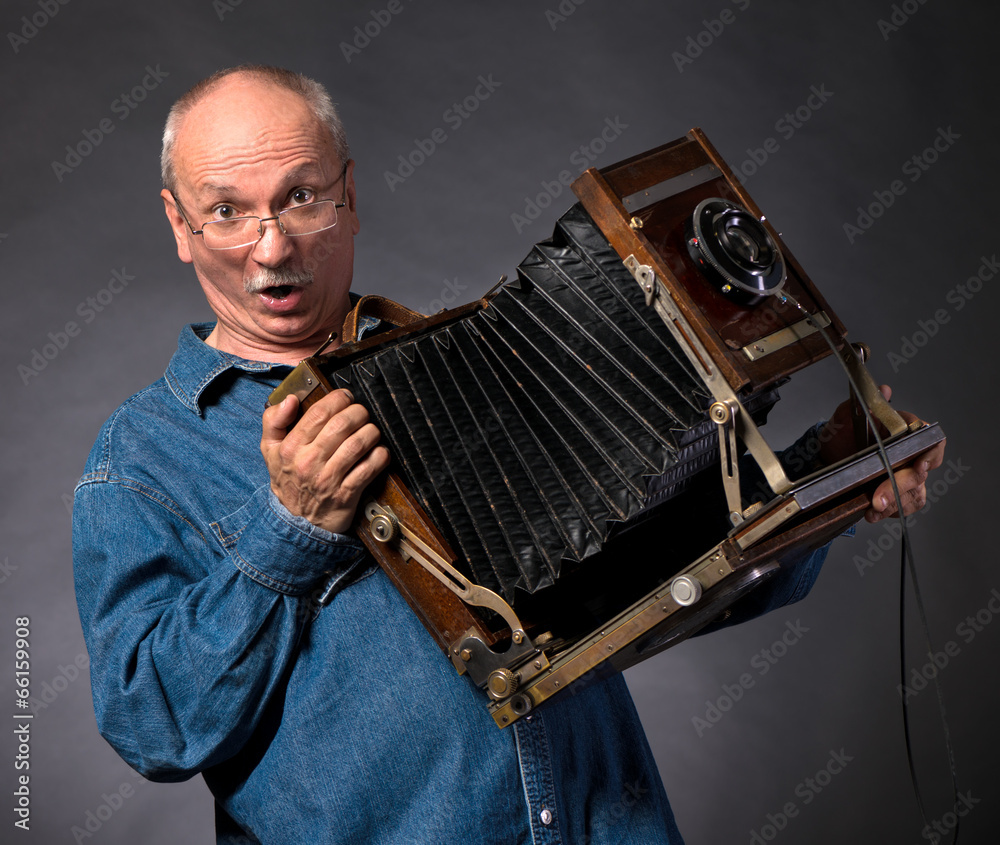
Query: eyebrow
x=218 y=190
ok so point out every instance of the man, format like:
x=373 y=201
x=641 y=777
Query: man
x=234 y=628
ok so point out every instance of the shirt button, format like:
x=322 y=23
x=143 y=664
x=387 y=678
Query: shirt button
x=546 y=816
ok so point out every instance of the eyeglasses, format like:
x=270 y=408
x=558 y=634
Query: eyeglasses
x=294 y=222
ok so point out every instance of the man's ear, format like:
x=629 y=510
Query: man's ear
x=351 y=197
x=182 y=233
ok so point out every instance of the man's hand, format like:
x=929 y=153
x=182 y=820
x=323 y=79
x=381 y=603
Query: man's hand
x=320 y=467
x=838 y=442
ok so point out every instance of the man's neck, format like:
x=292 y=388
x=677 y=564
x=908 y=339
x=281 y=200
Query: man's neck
x=258 y=349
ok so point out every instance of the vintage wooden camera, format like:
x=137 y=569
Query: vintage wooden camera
x=573 y=452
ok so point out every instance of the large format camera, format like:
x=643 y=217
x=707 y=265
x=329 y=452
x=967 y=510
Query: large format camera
x=574 y=453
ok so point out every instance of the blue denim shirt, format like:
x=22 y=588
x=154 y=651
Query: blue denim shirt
x=333 y=721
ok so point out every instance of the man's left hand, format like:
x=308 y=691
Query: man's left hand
x=911 y=480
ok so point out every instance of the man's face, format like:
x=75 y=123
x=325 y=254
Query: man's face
x=252 y=149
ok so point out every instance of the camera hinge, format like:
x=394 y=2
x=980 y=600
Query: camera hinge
x=727 y=412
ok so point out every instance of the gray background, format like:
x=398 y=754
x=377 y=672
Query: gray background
x=449 y=227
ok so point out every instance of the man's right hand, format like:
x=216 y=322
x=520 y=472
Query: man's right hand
x=320 y=466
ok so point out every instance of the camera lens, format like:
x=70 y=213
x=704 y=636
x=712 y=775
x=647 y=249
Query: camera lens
x=735 y=251
x=747 y=245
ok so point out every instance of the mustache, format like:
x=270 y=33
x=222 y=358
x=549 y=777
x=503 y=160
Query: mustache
x=277 y=277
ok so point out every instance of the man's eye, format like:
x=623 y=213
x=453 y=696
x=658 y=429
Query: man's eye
x=302 y=196
x=224 y=212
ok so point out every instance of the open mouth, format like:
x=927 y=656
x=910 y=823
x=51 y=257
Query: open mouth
x=279 y=291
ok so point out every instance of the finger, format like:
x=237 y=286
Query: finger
x=317 y=416
x=912 y=494
x=339 y=428
x=365 y=470
x=278 y=419
x=932 y=458
x=349 y=454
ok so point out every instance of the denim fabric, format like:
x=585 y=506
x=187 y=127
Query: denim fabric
x=336 y=722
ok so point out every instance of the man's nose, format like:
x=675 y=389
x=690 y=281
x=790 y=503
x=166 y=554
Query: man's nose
x=274 y=246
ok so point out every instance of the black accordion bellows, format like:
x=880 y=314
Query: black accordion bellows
x=531 y=429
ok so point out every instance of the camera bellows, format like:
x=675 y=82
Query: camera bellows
x=529 y=429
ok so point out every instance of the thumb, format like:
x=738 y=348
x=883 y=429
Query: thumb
x=279 y=418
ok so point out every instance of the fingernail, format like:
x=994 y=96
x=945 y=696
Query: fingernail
x=882 y=502
x=925 y=466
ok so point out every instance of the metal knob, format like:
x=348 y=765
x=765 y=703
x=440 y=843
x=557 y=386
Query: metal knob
x=384 y=528
x=685 y=590
x=502 y=683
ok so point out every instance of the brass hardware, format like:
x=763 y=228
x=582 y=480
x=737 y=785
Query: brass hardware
x=501 y=684
x=776 y=515
x=720 y=413
x=635 y=222
x=786 y=336
x=300 y=382
x=723 y=414
x=685 y=590
x=659 y=297
x=495 y=287
x=870 y=394
x=619 y=633
x=411 y=546
x=384 y=527
x=466 y=655
x=325 y=344
x=521 y=705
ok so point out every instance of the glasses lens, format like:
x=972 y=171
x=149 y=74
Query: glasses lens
x=307 y=219
x=229 y=234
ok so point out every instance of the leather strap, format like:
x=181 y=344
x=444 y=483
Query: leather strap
x=380 y=308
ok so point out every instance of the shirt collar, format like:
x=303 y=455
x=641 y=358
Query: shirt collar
x=195 y=364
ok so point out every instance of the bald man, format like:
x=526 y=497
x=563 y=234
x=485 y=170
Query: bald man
x=235 y=629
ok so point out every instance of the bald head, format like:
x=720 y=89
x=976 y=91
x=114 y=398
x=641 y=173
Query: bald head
x=238 y=82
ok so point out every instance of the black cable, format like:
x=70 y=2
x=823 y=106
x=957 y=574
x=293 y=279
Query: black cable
x=906 y=562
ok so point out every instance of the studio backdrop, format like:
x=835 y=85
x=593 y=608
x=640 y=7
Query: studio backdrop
x=866 y=131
